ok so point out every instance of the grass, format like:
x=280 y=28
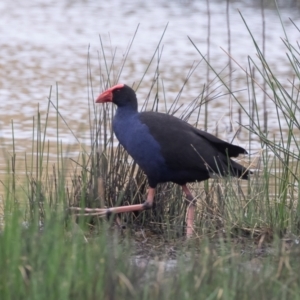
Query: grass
x=247 y=241
x=61 y=263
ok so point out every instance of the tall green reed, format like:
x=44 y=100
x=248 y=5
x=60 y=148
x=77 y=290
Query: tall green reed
x=275 y=195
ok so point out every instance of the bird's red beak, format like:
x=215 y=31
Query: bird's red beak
x=105 y=97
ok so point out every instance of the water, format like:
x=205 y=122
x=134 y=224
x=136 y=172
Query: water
x=45 y=43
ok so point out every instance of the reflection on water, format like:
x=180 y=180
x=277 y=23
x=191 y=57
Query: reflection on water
x=45 y=43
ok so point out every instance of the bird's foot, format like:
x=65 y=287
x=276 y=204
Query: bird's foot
x=100 y=212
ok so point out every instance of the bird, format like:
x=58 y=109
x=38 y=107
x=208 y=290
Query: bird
x=168 y=149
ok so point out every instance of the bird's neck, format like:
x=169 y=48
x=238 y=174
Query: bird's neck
x=124 y=121
x=125 y=111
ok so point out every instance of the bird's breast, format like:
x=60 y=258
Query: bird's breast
x=136 y=138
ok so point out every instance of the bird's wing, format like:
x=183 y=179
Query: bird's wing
x=222 y=146
x=185 y=147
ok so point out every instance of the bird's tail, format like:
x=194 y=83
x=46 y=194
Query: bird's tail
x=227 y=166
x=238 y=170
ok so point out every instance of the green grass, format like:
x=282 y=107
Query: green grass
x=60 y=262
x=246 y=244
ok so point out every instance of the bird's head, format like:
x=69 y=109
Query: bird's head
x=121 y=94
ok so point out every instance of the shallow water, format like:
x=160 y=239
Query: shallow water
x=46 y=42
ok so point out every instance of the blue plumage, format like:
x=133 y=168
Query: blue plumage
x=136 y=138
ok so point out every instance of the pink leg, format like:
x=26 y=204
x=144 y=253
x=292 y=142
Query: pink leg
x=191 y=211
x=119 y=209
